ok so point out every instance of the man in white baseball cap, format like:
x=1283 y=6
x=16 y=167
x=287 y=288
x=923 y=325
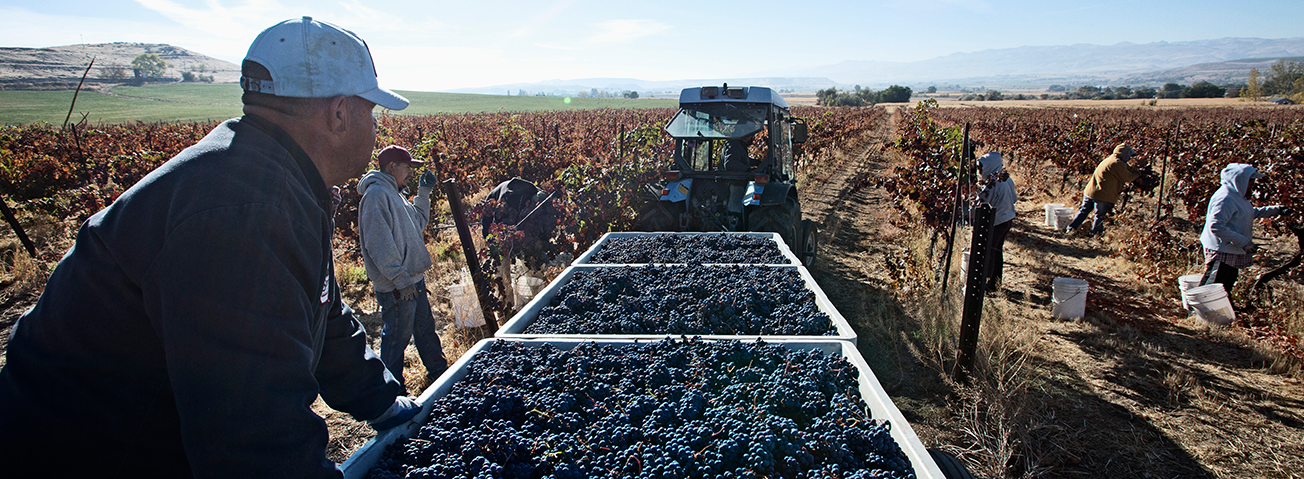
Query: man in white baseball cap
x=196 y=319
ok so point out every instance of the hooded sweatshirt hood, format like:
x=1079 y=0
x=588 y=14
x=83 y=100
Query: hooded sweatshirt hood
x=990 y=163
x=376 y=177
x=1236 y=177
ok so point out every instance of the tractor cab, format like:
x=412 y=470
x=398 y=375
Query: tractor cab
x=732 y=167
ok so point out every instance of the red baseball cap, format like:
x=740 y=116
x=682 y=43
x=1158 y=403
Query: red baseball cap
x=396 y=154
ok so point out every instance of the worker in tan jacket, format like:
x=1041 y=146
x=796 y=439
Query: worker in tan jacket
x=1102 y=191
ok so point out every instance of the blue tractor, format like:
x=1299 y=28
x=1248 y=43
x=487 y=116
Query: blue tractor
x=733 y=168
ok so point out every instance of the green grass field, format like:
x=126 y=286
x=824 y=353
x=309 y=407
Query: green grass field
x=201 y=102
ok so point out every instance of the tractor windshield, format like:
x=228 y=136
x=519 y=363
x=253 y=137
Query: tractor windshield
x=717 y=120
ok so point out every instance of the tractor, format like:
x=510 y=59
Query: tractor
x=732 y=168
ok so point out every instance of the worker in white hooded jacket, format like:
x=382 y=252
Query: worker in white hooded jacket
x=1001 y=195
x=1228 y=236
x=394 y=252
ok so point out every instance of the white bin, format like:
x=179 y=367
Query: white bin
x=1063 y=216
x=1069 y=298
x=1050 y=212
x=466 y=306
x=526 y=287
x=1186 y=282
x=1211 y=304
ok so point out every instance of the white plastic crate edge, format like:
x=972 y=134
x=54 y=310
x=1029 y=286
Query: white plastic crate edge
x=515 y=327
x=880 y=405
x=597 y=246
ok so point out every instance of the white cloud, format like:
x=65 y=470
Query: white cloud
x=625 y=31
x=240 y=21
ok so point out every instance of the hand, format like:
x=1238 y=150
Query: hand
x=427 y=180
x=1286 y=211
x=1251 y=248
x=406 y=294
x=398 y=414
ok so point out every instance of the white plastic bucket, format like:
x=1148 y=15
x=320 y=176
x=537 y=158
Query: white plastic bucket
x=1069 y=297
x=1063 y=216
x=1211 y=304
x=526 y=287
x=964 y=267
x=466 y=306
x=1186 y=282
x=1050 y=212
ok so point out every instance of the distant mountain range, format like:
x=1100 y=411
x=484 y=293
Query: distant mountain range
x=1221 y=61
x=1225 y=60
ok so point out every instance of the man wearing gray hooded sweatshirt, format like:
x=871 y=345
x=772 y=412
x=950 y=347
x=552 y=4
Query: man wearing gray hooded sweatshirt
x=1001 y=195
x=1228 y=236
x=395 y=255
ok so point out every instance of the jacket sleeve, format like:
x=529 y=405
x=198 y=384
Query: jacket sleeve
x=1125 y=173
x=231 y=296
x=352 y=377
x=423 y=207
x=1264 y=211
x=1221 y=224
x=375 y=217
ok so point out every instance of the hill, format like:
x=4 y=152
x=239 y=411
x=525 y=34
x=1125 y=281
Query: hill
x=60 y=68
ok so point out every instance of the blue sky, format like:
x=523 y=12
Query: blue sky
x=443 y=45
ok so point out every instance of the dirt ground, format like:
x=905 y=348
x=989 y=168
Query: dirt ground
x=1134 y=389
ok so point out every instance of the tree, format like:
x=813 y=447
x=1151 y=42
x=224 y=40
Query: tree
x=1204 y=89
x=113 y=72
x=1282 y=78
x=1251 y=91
x=1171 y=90
x=932 y=89
x=149 y=66
x=631 y=95
x=895 y=94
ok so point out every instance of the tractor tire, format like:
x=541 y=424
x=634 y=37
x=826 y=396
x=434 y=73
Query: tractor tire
x=777 y=219
x=950 y=465
x=656 y=216
x=810 y=242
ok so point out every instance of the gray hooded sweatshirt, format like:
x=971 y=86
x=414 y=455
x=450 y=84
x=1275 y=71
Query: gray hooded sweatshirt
x=389 y=231
x=1002 y=195
x=1229 y=221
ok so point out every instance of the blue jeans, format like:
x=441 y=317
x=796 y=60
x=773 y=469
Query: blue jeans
x=1098 y=223
x=402 y=319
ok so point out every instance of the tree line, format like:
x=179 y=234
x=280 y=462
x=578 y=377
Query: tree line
x=862 y=96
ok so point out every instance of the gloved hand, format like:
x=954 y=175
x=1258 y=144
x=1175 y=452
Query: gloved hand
x=1286 y=211
x=398 y=414
x=1251 y=248
x=406 y=294
x=427 y=180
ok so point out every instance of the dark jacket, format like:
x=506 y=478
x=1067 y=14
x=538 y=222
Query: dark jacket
x=192 y=325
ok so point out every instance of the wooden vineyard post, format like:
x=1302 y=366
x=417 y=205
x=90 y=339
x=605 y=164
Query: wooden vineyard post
x=18 y=228
x=971 y=318
x=468 y=249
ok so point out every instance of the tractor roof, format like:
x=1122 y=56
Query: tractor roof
x=728 y=94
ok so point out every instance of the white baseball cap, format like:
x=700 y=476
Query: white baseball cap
x=312 y=59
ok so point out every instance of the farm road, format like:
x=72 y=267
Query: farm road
x=1135 y=389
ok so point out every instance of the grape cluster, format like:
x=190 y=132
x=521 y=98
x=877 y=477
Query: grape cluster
x=673 y=248
x=685 y=300
x=674 y=408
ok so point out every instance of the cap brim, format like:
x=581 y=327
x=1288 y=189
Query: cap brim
x=385 y=98
x=1256 y=175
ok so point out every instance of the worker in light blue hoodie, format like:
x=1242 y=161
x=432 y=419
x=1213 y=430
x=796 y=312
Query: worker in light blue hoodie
x=1228 y=236
x=394 y=252
x=998 y=192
